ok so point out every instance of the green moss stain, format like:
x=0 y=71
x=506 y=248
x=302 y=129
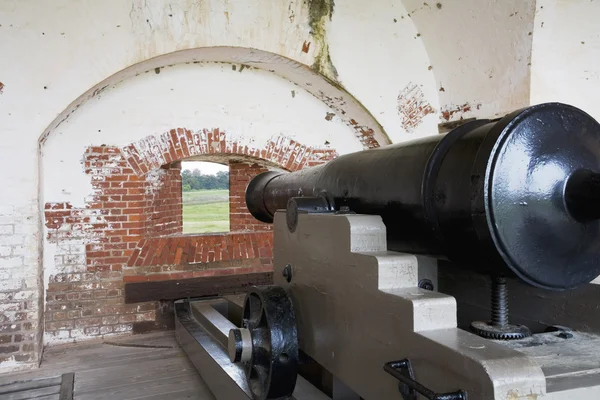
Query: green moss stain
x=319 y=12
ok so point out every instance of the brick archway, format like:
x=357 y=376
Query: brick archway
x=130 y=230
x=154 y=151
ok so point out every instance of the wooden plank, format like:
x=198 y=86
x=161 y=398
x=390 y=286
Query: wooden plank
x=187 y=394
x=122 y=373
x=145 y=370
x=141 y=390
x=175 y=289
x=20 y=386
x=32 y=393
x=66 y=386
x=50 y=397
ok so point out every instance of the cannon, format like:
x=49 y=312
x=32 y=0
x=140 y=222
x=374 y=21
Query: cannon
x=517 y=195
x=382 y=260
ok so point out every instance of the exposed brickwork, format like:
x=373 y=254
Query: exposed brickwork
x=413 y=107
x=152 y=152
x=93 y=244
x=163 y=214
x=130 y=230
x=186 y=256
x=240 y=218
x=20 y=304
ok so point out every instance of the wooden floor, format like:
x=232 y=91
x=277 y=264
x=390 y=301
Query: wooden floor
x=117 y=370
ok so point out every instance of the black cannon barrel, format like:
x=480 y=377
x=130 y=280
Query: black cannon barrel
x=517 y=195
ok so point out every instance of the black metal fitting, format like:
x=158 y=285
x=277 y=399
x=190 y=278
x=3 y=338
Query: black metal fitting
x=564 y=332
x=565 y=335
x=271 y=371
x=499 y=302
x=426 y=284
x=409 y=387
x=499 y=328
x=287 y=273
x=306 y=205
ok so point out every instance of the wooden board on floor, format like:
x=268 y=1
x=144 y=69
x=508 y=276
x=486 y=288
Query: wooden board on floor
x=122 y=370
x=67 y=385
x=48 y=388
x=136 y=292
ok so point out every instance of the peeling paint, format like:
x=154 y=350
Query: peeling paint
x=451 y=112
x=425 y=5
x=319 y=13
x=412 y=106
x=364 y=133
x=292 y=15
x=369 y=132
x=95 y=93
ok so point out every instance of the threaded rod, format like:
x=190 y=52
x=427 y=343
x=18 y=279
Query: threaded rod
x=499 y=302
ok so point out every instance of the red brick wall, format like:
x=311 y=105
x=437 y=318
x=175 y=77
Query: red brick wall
x=163 y=214
x=110 y=241
x=187 y=256
x=130 y=230
x=93 y=245
x=240 y=219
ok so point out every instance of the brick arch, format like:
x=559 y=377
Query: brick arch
x=164 y=151
x=127 y=233
x=154 y=151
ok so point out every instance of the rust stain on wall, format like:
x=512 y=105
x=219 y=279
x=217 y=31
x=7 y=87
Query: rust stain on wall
x=1 y=87
x=450 y=112
x=306 y=46
x=412 y=106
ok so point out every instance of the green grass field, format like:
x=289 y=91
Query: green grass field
x=206 y=211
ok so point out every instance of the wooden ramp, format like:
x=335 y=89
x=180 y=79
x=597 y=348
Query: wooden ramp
x=151 y=366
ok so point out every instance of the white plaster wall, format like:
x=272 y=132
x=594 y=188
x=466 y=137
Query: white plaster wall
x=251 y=106
x=566 y=54
x=479 y=51
x=387 y=58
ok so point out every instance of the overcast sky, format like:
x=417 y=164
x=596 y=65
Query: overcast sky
x=206 y=168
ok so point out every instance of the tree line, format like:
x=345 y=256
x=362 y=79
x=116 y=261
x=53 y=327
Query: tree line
x=196 y=180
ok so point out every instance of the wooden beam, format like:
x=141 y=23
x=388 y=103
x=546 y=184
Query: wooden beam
x=66 y=387
x=136 y=292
